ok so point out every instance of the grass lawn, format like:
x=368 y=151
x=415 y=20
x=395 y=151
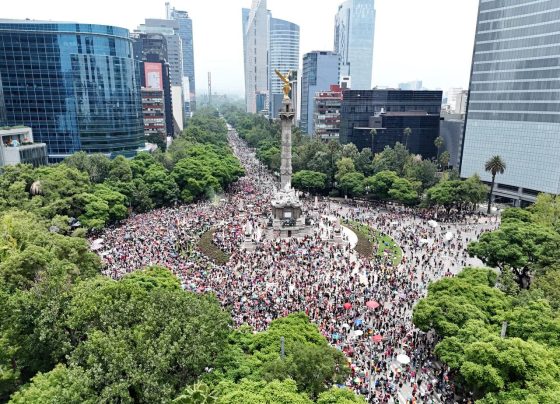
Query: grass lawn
x=369 y=238
x=207 y=247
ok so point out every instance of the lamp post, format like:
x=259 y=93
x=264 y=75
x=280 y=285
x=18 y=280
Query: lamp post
x=371 y=305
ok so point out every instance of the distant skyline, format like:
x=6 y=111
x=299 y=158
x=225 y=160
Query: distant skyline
x=428 y=40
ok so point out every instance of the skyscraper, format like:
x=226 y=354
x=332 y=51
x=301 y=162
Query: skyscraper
x=186 y=34
x=76 y=85
x=149 y=49
x=284 y=56
x=353 y=41
x=514 y=100
x=320 y=71
x=255 y=51
x=170 y=30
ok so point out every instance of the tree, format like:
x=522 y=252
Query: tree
x=338 y=395
x=404 y=191
x=519 y=247
x=546 y=211
x=161 y=186
x=424 y=171
x=495 y=165
x=60 y=385
x=352 y=183
x=467 y=312
x=407 y=132
x=373 y=134
x=310 y=366
x=472 y=191
x=120 y=170
x=363 y=161
x=198 y=393
x=444 y=159
x=451 y=302
x=445 y=194
x=257 y=392
x=344 y=166
x=439 y=142
x=309 y=180
x=143 y=338
x=381 y=183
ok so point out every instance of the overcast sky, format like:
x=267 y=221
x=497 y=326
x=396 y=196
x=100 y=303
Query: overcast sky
x=428 y=40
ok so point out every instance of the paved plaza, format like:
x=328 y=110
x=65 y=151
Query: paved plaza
x=325 y=279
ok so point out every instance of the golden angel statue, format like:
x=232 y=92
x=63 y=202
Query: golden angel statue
x=287 y=87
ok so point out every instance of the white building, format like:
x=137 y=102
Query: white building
x=16 y=146
x=255 y=51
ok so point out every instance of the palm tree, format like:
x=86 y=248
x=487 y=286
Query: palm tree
x=407 y=132
x=373 y=133
x=439 y=144
x=495 y=165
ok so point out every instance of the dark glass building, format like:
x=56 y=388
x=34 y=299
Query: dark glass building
x=76 y=85
x=389 y=112
x=152 y=48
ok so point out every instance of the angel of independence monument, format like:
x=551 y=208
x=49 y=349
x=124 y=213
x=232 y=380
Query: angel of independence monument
x=287 y=216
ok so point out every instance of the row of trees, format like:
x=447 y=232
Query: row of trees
x=98 y=191
x=392 y=175
x=469 y=312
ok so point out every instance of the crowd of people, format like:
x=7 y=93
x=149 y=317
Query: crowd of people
x=362 y=304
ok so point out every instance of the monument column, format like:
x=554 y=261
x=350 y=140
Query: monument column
x=286 y=118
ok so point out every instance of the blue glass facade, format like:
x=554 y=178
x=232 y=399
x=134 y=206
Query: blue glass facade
x=284 y=56
x=186 y=34
x=320 y=71
x=76 y=85
x=514 y=97
x=353 y=41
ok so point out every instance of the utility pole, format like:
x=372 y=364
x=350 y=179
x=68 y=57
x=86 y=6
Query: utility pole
x=209 y=88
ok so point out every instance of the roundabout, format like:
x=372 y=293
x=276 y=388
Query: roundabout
x=326 y=279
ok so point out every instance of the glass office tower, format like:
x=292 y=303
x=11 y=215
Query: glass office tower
x=320 y=72
x=255 y=55
x=186 y=34
x=76 y=85
x=284 y=56
x=514 y=100
x=353 y=41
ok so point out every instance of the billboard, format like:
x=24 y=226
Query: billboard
x=153 y=75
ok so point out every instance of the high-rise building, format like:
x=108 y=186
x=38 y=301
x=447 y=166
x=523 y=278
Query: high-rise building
x=255 y=51
x=149 y=49
x=415 y=85
x=284 y=56
x=326 y=115
x=170 y=30
x=514 y=101
x=390 y=112
x=186 y=34
x=353 y=41
x=76 y=85
x=320 y=71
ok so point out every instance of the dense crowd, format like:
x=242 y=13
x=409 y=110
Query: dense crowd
x=326 y=279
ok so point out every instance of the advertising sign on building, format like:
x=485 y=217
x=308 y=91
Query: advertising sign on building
x=153 y=76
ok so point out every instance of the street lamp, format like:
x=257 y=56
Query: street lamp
x=371 y=305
